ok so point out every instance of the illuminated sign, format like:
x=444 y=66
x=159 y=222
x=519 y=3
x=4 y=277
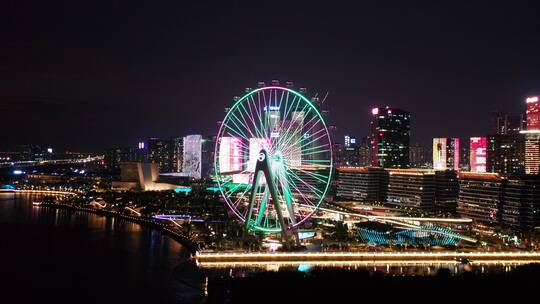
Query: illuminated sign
x=478 y=154
x=375 y=111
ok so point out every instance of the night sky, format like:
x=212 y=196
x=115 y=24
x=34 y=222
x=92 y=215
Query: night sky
x=88 y=76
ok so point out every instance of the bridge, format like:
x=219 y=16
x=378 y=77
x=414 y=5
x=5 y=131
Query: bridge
x=33 y=163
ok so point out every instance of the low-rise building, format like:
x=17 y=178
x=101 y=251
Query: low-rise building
x=414 y=188
x=480 y=196
x=366 y=184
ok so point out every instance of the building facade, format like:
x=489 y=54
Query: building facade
x=446 y=191
x=506 y=154
x=478 y=154
x=364 y=184
x=521 y=202
x=446 y=154
x=411 y=188
x=390 y=137
x=480 y=197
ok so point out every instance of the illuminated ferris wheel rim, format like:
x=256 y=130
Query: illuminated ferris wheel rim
x=227 y=117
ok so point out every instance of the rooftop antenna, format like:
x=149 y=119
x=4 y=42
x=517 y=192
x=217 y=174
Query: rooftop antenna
x=325 y=96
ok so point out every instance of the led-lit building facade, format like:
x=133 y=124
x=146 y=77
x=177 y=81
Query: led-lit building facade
x=446 y=152
x=478 y=154
x=533 y=113
x=230 y=155
x=390 y=137
x=532 y=152
x=192 y=158
x=480 y=197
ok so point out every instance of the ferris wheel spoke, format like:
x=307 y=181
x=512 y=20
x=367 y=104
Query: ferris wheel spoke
x=287 y=123
x=258 y=110
x=303 y=138
x=309 y=186
x=250 y=116
x=236 y=132
x=298 y=134
x=236 y=119
x=288 y=107
x=301 y=147
x=319 y=177
x=301 y=193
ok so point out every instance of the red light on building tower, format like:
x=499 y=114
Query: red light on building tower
x=533 y=113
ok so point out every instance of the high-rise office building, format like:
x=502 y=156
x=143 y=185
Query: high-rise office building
x=115 y=156
x=478 y=154
x=349 y=154
x=446 y=152
x=178 y=156
x=192 y=157
x=504 y=124
x=532 y=152
x=364 y=153
x=163 y=153
x=419 y=156
x=506 y=154
x=533 y=113
x=349 y=141
x=390 y=137
x=532 y=136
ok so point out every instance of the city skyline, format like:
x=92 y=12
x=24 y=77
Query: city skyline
x=110 y=85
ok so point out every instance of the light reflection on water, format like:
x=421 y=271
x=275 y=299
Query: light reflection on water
x=393 y=268
x=101 y=251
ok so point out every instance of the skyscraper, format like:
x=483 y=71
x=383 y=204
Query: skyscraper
x=446 y=152
x=504 y=124
x=533 y=113
x=390 y=136
x=506 y=154
x=532 y=136
x=162 y=152
x=192 y=163
x=532 y=152
x=419 y=156
x=478 y=154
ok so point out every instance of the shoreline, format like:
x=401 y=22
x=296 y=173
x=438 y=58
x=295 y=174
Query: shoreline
x=183 y=240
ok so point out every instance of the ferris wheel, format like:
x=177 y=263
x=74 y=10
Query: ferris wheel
x=273 y=159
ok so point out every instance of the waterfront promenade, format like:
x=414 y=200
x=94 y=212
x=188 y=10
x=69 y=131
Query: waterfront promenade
x=250 y=258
